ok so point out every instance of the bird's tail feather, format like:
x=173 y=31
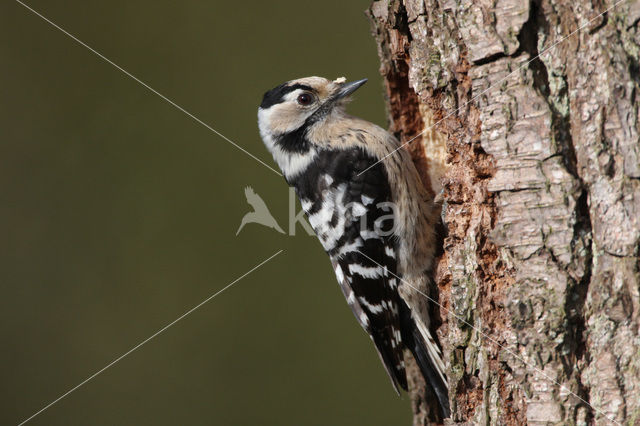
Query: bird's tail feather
x=429 y=359
x=435 y=355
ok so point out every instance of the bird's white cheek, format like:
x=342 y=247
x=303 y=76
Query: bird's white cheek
x=290 y=163
x=282 y=118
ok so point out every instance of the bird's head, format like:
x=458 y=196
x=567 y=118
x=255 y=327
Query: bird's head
x=297 y=103
x=290 y=110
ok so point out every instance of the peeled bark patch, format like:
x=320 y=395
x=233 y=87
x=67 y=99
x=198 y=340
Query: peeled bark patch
x=539 y=160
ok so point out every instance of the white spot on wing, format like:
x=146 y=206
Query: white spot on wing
x=320 y=219
x=367 y=234
x=351 y=247
x=366 y=200
x=376 y=309
x=389 y=252
x=394 y=308
x=333 y=203
x=364 y=319
x=306 y=205
x=358 y=209
x=366 y=272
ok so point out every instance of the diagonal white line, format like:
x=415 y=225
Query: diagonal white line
x=128 y=74
x=148 y=339
x=512 y=353
x=490 y=87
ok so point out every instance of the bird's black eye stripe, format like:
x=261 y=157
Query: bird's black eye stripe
x=277 y=94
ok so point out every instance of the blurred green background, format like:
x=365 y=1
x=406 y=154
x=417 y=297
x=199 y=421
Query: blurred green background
x=118 y=213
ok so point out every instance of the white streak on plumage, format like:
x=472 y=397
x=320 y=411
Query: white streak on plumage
x=367 y=234
x=365 y=271
x=351 y=247
x=358 y=209
x=376 y=309
x=339 y=274
x=389 y=252
x=366 y=200
x=306 y=205
x=332 y=204
x=364 y=319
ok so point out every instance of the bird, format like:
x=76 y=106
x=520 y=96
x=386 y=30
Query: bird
x=366 y=203
x=260 y=213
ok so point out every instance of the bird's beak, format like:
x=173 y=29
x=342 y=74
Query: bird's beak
x=348 y=88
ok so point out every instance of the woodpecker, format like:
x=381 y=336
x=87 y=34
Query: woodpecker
x=370 y=211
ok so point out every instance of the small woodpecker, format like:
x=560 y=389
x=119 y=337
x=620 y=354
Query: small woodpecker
x=374 y=218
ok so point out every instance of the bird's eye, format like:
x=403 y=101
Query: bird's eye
x=305 y=99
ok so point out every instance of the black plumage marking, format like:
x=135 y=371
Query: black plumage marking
x=277 y=94
x=294 y=142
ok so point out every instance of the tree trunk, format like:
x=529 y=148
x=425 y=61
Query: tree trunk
x=539 y=162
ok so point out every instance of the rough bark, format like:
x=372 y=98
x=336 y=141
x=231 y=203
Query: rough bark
x=539 y=162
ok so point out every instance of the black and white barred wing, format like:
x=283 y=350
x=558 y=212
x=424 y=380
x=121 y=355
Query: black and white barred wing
x=368 y=290
x=353 y=222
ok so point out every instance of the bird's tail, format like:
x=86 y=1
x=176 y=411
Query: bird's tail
x=428 y=356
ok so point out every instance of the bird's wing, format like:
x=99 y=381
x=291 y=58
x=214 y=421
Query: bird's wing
x=370 y=291
x=355 y=230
